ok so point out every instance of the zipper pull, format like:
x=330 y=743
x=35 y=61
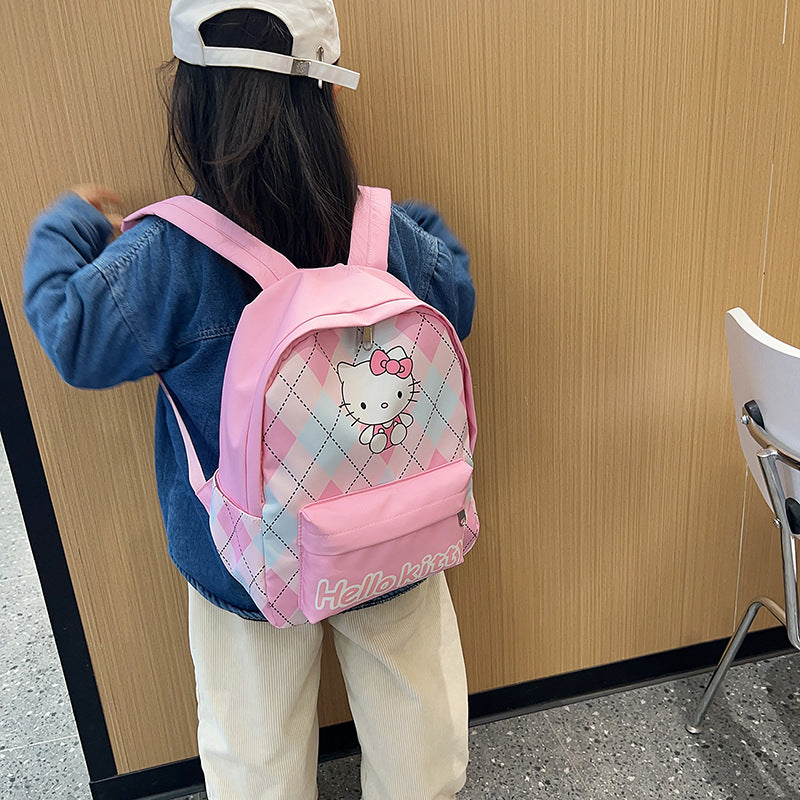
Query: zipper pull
x=366 y=337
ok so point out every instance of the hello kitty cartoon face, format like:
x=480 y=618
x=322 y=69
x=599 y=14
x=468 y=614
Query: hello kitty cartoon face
x=377 y=393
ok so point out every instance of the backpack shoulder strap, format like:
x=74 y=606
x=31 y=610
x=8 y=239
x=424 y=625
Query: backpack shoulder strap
x=369 y=242
x=231 y=241
x=200 y=484
x=265 y=265
x=369 y=247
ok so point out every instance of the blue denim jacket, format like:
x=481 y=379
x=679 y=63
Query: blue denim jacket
x=155 y=300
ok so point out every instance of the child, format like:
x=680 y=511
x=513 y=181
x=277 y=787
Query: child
x=266 y=148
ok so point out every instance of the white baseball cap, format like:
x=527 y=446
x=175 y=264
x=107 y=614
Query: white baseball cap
x=312 y=23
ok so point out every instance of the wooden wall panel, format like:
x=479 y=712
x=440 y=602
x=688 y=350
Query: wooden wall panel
x=79 y=105
x=779 y=312
x=608 y=165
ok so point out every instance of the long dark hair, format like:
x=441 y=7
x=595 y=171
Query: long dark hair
x=265 y=149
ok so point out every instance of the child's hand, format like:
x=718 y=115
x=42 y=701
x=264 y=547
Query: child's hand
x=107 y=202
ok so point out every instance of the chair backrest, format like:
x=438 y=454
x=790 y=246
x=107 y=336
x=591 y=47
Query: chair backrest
x=766 y=370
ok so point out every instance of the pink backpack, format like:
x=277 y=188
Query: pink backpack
x=347 y=426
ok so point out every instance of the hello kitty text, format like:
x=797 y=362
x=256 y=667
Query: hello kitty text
x=344 y=594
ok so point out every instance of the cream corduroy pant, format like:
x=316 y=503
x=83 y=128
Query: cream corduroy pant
x=257 y=690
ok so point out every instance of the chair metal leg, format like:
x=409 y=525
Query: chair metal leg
x=694 y=725
x=769 y=456
x=768 y=460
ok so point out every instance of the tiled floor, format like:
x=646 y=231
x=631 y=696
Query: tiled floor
x=629 y=745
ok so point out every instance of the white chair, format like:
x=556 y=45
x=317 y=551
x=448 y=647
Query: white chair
x=765 y=374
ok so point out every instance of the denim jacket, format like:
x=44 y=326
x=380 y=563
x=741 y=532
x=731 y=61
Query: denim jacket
x=156 y=300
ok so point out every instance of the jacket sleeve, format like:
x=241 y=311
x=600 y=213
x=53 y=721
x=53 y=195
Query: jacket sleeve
x=68 y=302
x=442 y=277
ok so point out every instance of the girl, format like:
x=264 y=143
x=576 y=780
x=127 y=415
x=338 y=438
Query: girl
x=266 y=148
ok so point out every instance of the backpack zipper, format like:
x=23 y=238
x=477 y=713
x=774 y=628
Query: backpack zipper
x=366 y=337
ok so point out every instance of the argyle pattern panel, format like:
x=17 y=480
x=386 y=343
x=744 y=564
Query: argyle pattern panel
x=311 y=445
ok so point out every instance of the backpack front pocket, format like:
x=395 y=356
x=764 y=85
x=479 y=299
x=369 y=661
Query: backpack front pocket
x=359 y=546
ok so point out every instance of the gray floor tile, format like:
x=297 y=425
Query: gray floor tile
x=749 y=746
x=634 y=744
x=28 y=636
x=40 y=755
x=17 y=560
x=340 y=779
x=47 y=770
x=520 y=757
x=34 y=708
x=34 y=704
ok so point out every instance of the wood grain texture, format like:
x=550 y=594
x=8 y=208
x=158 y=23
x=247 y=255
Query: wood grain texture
x=779 y=312
x=608 y=165
x=81 y=105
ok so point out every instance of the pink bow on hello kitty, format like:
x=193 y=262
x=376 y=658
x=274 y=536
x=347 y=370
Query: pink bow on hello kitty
x=380 y=363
